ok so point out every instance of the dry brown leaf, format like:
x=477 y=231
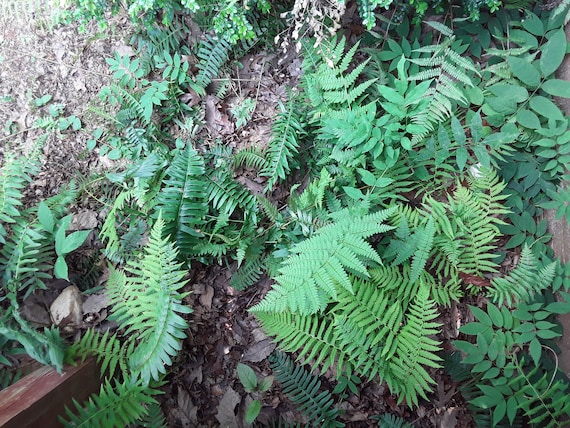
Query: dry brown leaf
x=259 y=351
x=226 y=409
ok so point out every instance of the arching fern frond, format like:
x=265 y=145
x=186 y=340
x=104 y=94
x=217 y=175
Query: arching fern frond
x=182 y=199
x=308 y=279
x=524 y=281
x=416 y=349
x=213 y=52
x=302 y=388
x=450 y=71
x=116 y=406
x=287 y=131
x=226 y=195
x=148 y=304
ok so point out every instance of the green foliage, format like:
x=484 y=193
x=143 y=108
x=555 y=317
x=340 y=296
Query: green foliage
x=302 y=388
x=212 y=53
x=116 y=405
x=308 y=279
x=507 y=385
x=148 y=305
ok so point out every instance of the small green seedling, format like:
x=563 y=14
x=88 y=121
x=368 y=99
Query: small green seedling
x=250 y=383
x=64 y=244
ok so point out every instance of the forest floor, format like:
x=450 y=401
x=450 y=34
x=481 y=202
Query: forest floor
x=38 y=61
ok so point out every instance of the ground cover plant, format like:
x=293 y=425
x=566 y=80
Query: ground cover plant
x=403 y=171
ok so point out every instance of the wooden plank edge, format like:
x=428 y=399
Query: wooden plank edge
x=39 y=398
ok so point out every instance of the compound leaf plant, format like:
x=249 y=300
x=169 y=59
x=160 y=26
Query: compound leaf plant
x=427 y=169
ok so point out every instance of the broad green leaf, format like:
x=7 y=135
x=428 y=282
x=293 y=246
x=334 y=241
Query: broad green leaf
x=495 y=315
x=461 y=158
x=528 y=119
x=247 y=377
x=515 y=93
x=45 y=216
x=552 y=53
x=252 y=411
x=558 y=307
x=265 y=384
x=473 y=328
x=73 y=241
x=557 y=87
x=60 y=268
x=499 y=412
x=512 y=407
x=546 y=108
x=535 y=350
x=524 y=71
x=481 y=315
x=533 y=24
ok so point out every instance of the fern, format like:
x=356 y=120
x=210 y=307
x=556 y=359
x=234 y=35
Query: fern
x=415 y=349
x=182 y=199
x=15 y=174
x=23 y=10
x=148 y=304
x=287 y=130
x=248 y=274
x=307 y=279
x=327 y=83
x=213 y=52
x=116 y=405
x=523 y=282
x=107 y=349
x=226 y=195
x=391 y=421
x=303 y=389
x=543 y=399
x=450 y=70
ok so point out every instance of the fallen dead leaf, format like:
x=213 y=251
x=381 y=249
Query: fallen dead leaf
x=206 y=297
x=259 y=351
x=226 y=410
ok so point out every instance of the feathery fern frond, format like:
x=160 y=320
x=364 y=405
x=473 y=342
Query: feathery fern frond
x=226 y=195
x=148 y=305
x=116 y=405
x=15 y=174
x=543 y=399
x=287 y=130
x=21 y=10
x=213 y=52
x=302 y=388
x=416 y=349
x=523 y=282
x=182 y=200
x=391 y=421
x=109 y=352
x=327 y=83
x=250 y=157
x=450 y=70
x=308 y=279
x=248 y=274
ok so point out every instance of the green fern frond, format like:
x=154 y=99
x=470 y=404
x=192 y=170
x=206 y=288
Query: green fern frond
x=247 y=274
x=374 y=313
x=182 y=199
x=416 y=349
x=213 y=52
x=448 y=69
x=542 y=398
x=524 y=281
x=16 y=10
x=287 y=130
x=308 y=279
x=226 y=195
x=26 y=257
x=391 y=421
x=312 y=336
x=116 y=405
x=154 y=417
x=109 y=352
x=15 y=174
x=302 y=388
x=148 y=305
x=250 y=157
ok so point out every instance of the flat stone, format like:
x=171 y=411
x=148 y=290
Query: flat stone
x=67 y=309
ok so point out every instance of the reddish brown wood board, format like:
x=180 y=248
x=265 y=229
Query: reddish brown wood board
x=40 y=397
